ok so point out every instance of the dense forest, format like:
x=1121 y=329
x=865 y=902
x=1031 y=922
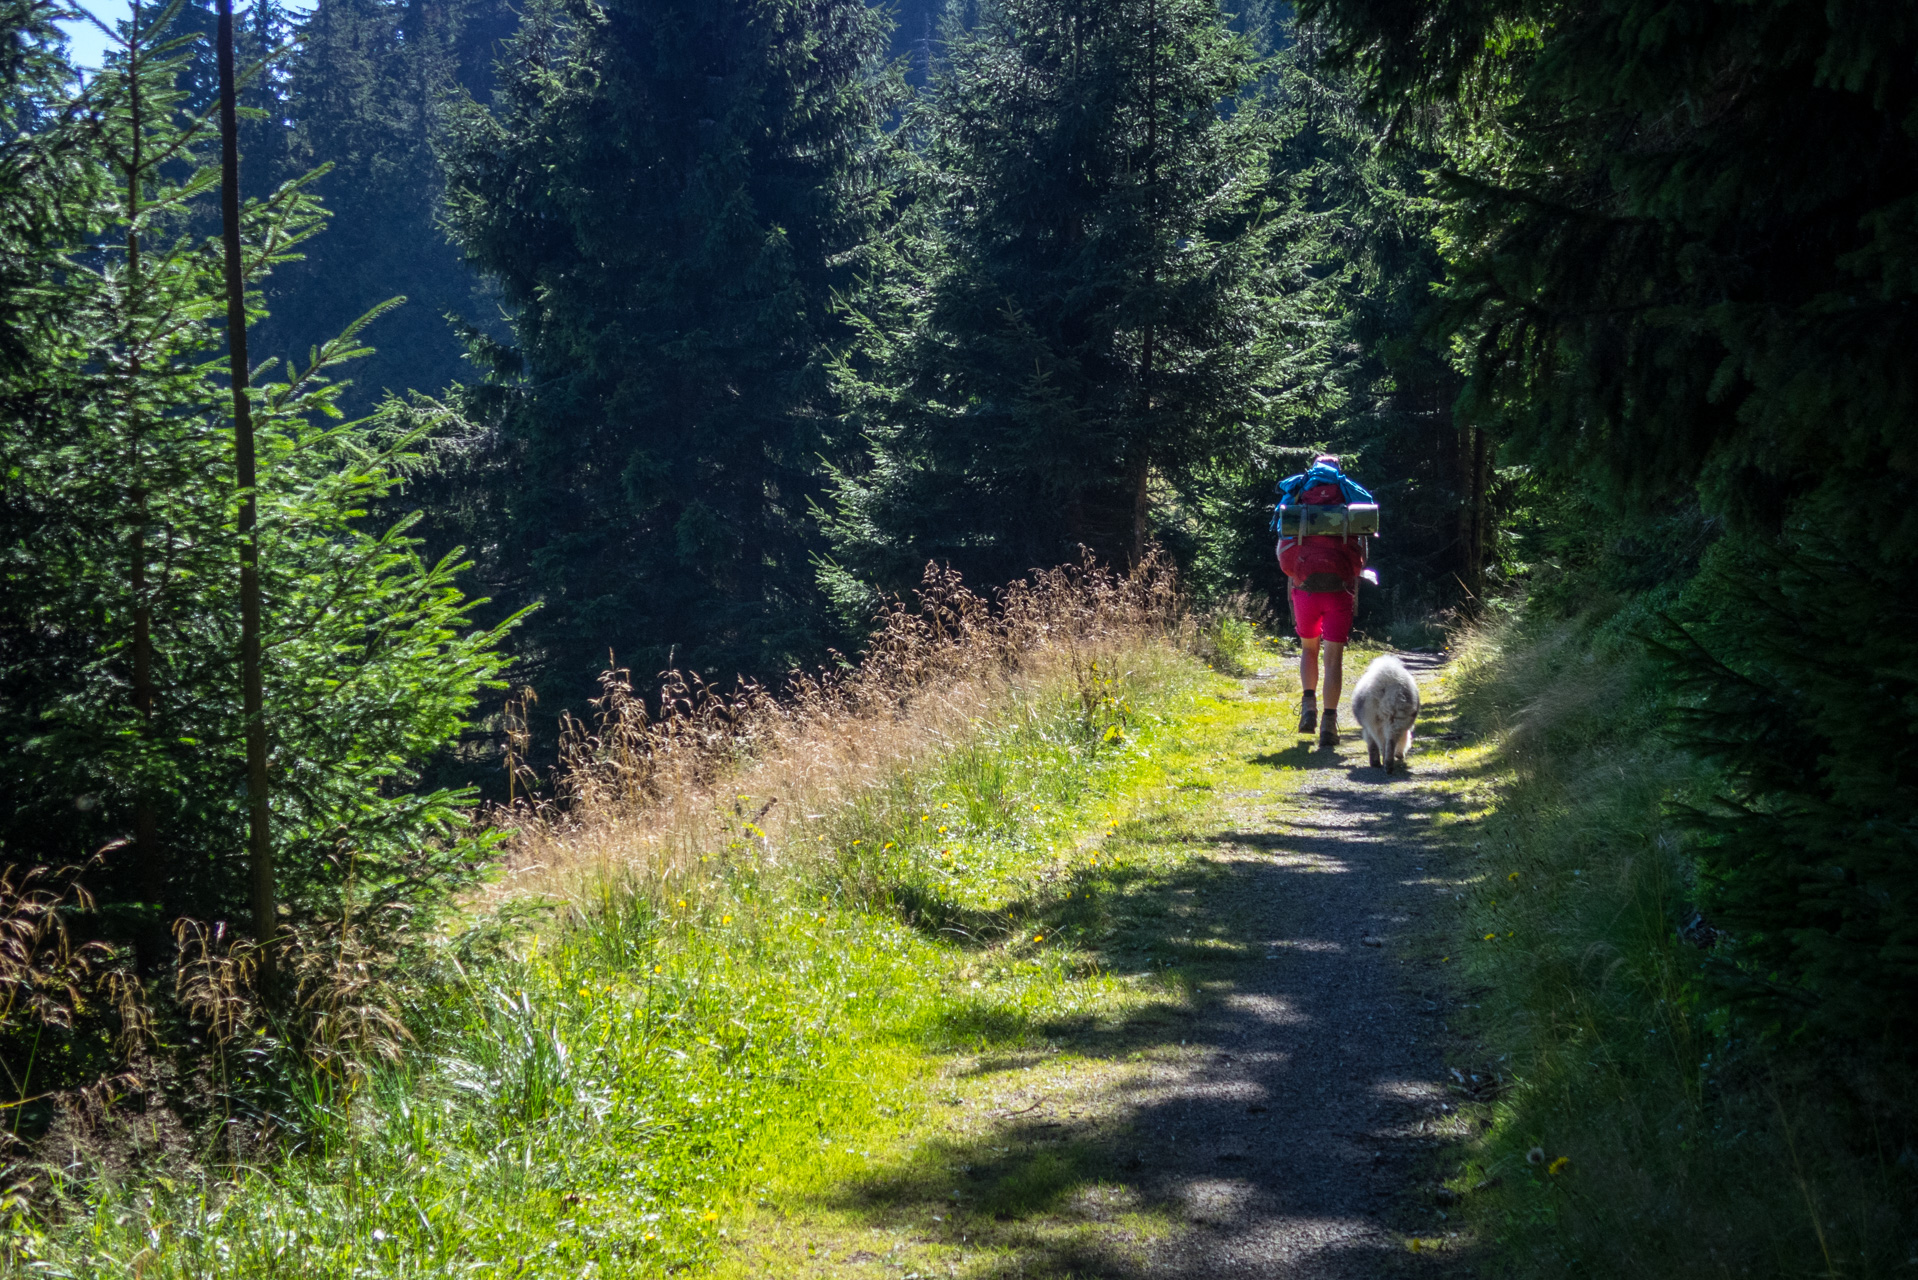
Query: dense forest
x=682 y=334
x=683 y=339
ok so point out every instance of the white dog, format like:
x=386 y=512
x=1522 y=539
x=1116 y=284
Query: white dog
x=1386 y=704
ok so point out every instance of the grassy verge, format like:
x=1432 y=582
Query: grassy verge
x=1636 y=1129
x=626 y=1087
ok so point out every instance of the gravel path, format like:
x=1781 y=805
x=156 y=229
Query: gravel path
x=1304 y=1138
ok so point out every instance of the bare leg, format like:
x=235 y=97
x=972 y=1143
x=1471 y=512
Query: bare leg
x=1334 y=672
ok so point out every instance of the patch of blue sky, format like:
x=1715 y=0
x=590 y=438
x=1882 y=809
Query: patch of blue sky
x=87 y=44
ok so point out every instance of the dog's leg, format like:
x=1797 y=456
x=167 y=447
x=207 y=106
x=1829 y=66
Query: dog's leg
x=1370 y=735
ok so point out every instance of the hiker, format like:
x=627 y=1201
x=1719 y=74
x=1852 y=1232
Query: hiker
x=1324 y=574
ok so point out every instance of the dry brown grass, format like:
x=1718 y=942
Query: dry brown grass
x=644 y=797
x=44 y=977
x=337 y=1001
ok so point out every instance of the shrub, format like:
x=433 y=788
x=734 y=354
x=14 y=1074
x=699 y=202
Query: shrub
x=1694 y=1142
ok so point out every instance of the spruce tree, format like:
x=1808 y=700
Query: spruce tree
x=1681 y=241
x=120 y=693
x=363 y=94
x=667 y=194
x=1074 y=316
x=1352 y=264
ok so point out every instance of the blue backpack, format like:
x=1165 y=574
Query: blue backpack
x=1292 y=486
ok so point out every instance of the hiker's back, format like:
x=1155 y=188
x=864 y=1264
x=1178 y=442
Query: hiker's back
x=1323 y=518
x=1322 y=550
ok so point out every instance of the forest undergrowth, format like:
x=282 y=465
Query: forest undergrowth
x=727 y=935
x=1643 y=1130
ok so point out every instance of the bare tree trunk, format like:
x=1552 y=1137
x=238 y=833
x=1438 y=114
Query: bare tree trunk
x=145 y=820
x=1138 y=477
x=252 y=684
x=1473 y=533
x=1139 y=461
x=1481 y=514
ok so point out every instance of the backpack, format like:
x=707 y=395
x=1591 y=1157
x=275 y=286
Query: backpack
x=1292 y=489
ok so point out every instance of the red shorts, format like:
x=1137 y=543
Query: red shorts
x=1323 y=614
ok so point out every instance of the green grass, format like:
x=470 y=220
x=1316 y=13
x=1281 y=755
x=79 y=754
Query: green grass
x=1642 y=1132
x=625 y=1088
x=819 y=1066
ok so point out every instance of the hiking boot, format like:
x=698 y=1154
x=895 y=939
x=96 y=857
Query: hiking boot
x=1329 y=729
x=1309 y=714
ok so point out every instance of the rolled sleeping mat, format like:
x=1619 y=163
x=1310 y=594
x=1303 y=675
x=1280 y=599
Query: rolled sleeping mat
x=1306 y=520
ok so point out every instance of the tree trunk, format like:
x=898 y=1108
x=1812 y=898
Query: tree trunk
x=1138 y=477
x=1481 y=512
x=1139 y=461
x=145 y=820
x=252 y=683
x=1473 y=532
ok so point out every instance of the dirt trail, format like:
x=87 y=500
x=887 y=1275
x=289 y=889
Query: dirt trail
x=1300 y=1137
